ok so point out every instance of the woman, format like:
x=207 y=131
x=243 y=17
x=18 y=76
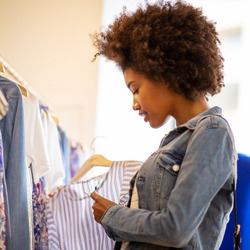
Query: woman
x=182 y=195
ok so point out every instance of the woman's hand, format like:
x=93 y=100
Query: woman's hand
x=100 y=206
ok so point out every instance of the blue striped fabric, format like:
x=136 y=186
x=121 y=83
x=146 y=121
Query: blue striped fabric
x=71 y=224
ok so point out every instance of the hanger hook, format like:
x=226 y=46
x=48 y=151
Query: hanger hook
x=93 y=141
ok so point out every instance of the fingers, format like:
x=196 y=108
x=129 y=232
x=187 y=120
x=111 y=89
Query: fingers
x=100 y=205
x=97 y=207
x=94 y=196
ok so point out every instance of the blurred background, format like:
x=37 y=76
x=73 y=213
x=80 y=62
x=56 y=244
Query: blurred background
x=47 y=43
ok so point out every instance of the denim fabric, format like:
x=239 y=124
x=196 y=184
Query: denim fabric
x=185 y=190
x=12 y=127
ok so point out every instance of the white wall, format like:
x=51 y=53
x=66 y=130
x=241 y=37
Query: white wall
x=122 y=134
x=233 y=24
x=48 y=43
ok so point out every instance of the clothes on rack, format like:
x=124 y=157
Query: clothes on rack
x=39 y=206
x=16 y=202
x=65 y=150
x=55 y=176
x=38 y=165
x=2 y=203
x=35 y=158
x=35 y=143
x=3 y=105
x=78 y=155
x=71 y=223
x=3 y=111
x=32 y=158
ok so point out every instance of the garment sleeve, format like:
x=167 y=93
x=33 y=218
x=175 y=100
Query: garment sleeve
x=206 y=167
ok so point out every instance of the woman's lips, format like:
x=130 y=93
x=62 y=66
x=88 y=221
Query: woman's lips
x=142 y=114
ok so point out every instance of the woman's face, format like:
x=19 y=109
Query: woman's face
x=155 y=102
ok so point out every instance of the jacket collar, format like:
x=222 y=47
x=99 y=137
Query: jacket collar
x=191 y=124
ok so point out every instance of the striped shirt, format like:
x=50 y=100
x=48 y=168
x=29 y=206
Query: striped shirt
x=71 y=224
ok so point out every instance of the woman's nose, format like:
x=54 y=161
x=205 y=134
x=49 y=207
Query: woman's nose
x=136 y=106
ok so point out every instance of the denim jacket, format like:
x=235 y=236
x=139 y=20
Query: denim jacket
x=12 y=128
x=184 y=188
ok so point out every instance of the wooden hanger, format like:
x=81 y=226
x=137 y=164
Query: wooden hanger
x=94 y=160
x=2 y=69
x=73 y=143
x=23 y=89
x=56 y=120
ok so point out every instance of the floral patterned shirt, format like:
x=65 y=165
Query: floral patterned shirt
x=2 y=208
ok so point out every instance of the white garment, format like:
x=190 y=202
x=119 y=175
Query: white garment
x=35 y=143
x=71 y=223
x=56 y=174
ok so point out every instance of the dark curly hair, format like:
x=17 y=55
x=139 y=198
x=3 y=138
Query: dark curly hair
x=168 y=43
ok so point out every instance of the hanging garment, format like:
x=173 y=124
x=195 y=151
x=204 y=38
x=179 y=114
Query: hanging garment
x=13 y=133
x=39 y=201
x=71 y=223
x=36 y=156
x=3 y=110
x=78 y=155
x=36 y=145
x=64 y=145
x=3 y=105
x=2 y=205
x=55 y=176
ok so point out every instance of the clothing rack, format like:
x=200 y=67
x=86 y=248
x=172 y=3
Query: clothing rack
x=24 y=85
x=13 y=72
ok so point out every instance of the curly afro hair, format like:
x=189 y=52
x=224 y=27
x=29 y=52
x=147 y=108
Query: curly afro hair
x=168 y=43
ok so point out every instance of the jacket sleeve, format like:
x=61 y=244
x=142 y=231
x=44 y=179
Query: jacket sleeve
x=206 y=167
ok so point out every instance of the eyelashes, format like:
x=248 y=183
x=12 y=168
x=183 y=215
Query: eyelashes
x=136 y=92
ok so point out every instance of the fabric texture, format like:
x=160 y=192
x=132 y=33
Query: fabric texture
x=2 y=205
x=39 y=202
x=65 y=149
x=71 y=222
x=78 y=155
x=56 y=174
x=134 y=204
x=185 y=190
x=35 y=143
x=13 y=133
x=3 y=105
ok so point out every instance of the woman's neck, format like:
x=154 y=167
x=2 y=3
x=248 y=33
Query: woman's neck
x=187 y=109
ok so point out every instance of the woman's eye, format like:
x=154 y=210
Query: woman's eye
x=136 y=92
